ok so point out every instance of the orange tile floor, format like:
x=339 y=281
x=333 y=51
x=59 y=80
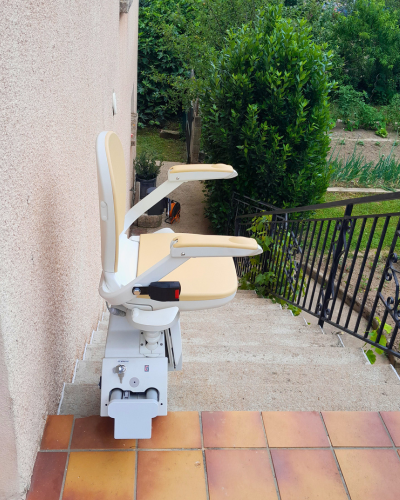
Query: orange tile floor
x=223 y=455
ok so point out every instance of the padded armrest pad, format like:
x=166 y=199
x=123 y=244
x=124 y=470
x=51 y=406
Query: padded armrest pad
x=197 y=245
x=216 y=167
x=184 y=173
x=200 y=240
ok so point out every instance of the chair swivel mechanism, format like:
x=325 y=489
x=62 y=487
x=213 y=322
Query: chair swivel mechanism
x=146 y=281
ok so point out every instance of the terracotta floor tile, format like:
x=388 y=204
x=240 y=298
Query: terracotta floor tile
x=371 y=474
x=57 y=432
x=295 y=429
x=392 y=422
x=240 y=475
x=47 y=476
x=307 y=475
x=171 y=475
x=355 y=428
x=100 y=475
x=233 y=429
x=97 y=433
x=179 y=429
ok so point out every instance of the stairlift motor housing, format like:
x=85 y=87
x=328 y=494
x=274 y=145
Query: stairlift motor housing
x=148 y=280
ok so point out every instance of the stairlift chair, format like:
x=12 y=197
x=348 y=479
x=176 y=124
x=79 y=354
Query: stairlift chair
x=146 y=281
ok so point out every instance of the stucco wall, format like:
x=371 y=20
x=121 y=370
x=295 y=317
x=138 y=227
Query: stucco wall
x=60 y=61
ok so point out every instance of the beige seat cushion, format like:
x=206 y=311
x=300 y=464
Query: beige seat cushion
x=206 y=278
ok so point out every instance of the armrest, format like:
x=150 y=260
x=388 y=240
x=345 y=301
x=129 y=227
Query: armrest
x=201 y=172
x=196 y=245
x=177 y=175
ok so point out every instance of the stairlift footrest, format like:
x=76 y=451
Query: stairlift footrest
x=132 y=418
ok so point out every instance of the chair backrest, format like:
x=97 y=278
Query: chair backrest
x=112 y=196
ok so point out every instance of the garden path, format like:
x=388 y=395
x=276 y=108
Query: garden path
x=190 y=196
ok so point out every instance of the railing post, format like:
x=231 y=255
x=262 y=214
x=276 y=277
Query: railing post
x=329 y=291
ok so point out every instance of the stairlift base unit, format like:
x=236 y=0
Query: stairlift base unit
x=134 y=379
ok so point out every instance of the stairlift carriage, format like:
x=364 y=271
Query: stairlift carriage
x=147 y=280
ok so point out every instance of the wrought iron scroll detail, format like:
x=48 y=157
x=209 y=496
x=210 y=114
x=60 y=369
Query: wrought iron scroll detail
x=292 y=270
x=391 y=303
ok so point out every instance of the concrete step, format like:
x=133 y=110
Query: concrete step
x=262 y=326
x=295 y=337
x=246 y=292
x=94 y=352
x=272 y=328
x=247 y=320
x=81 y=400
x=285 y=397
x=238 y=308
x=88 y=372
x=255 y=374
x=293 y=356
x=99 y=337
x=103 y=325
x=318 y=350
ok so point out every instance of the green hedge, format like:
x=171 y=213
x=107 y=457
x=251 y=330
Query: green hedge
x=265 y=111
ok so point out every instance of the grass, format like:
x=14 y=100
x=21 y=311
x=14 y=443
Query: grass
x=364 y=209
x=148 y=139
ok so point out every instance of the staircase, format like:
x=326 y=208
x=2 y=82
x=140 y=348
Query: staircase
x=252 y=355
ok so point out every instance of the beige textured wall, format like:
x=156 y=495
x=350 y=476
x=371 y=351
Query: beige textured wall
x=60 y=61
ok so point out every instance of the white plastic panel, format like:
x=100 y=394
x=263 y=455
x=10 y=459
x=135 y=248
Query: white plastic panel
x=133 y=417
x=147 y=373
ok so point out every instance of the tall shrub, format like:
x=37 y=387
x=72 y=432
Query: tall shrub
x=265 y=111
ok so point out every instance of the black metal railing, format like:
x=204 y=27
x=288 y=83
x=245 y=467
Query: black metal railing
x=343 y=270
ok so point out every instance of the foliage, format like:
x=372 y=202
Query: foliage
x=194 y=46
x=157 y=62
x=145 y=165
x=261 y=282
x=382 y=132
x=354 y=168
x=321 y=17
x=370 y=352
x=174 y=38
x=265 y=111
x=351 y=107
x=392 y=112
x=265 y=282
x=368 y=41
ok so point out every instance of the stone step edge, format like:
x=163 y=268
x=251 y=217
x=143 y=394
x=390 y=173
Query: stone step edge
x=379 y=368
